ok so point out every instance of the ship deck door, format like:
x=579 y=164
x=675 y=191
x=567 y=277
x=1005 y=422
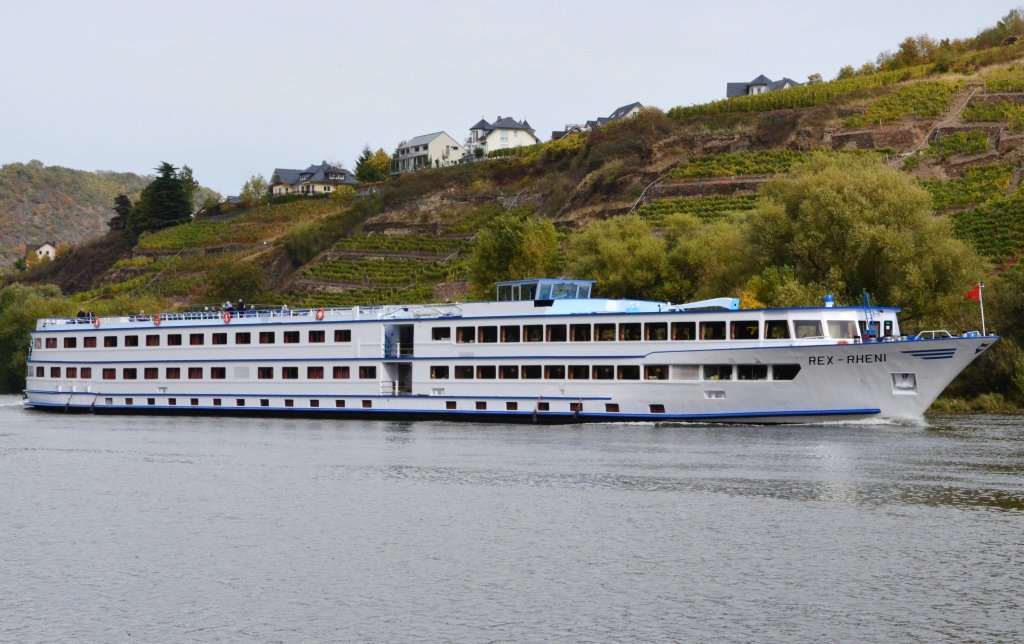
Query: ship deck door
x=398 y=340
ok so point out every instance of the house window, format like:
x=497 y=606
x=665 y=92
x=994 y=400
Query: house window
x=153 y=340
x=341 y=373
x=290 y=373
x=315 y=373
x=172 y=373
x=174 y=340
x=317 y=336
x=196 y=339
x=266 y=337
x=89 y=342
x=291 y=337
x=110 y=341
x=218 y=373
x=70 y=343
x=265 y=373
x=243 y=338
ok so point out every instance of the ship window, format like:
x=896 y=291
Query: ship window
x=785 y=371
x=89 y=342
x=38 y=343
x=656 y=331
x=439 y=333
x=463 y=372
x=685 y=372
x=40 y=372
x=628 y=372
x=240 y=402
x=554 y=372
x=712 y=330
x=110 y=341
x=508 y=372
x=439 y=372
x=315 y=373
x=174 y=340
x=367 y=372
x=197 y=339
x=744 y=330
x=533 y=333
x=131 y=340
x=556 y=333
x=172 y=401
x=531 y=372
x=887 y=328
x=543 y=406
x=488 y=334
x=579 y=332
x=195 y=373
x=70 y=343
x=655 y=372
x=193 y=401
x=291 y=337
x=465 y=334
x=243 y=338
x=657 y=409
x=87 y=372
x=55 y=372
x=576 y=407
x=604 y=332
x=603 y=372
x=71 y=372
x=152 y=340
x=318 y=336
x=450 y=404
x=629 y=331
x=612 y=408
x=265 y=373
x=264 y=402
x=150 y=401
x=807 y=328
x=752 y=372
x=579 y=372
x=481 y=405
x=109 y=374
x=718 y=372
x=339 y=403
x=51 y=343
x=341 y=373
x=510 y=333
x=172 y=373
x=776 y=330
x=267 y=337
x=129 y=373
x=288 y=402
x=218 y=373
x=367 y=404
x=216 y=402
x=842 y=329
x=150 y=373
x=511 y=406
x=290 y=373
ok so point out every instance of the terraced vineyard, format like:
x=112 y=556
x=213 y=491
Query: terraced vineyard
x=994 y=228
x=978 y=185
x=706 y=208
x=1012 y=113
x=418 y=294
x=737 y=164
x=928 y=99
x=377 y=270
x=424 y=244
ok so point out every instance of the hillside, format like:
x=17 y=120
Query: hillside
x=40 y=203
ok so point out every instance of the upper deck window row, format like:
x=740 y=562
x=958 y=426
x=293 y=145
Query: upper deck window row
x=314 y=336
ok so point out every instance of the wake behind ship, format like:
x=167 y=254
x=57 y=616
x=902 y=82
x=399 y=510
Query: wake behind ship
x=544 y=351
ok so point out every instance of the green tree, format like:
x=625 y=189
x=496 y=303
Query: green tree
x=373 y=166
x=513 y=245
x=256 y=191
x=849 y=224
x=122 y=211
x=814 y=78
x=623 y=255
x=164 y=202
x=190 y=186
x=20 y=307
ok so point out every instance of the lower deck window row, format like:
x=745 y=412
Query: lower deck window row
x=479 y=405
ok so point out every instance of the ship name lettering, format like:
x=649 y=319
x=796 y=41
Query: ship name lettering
x=865 y=358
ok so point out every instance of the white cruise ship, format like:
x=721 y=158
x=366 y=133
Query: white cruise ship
x=543 y=352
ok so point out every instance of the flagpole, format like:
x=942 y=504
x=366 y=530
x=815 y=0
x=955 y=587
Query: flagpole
x=981 y=303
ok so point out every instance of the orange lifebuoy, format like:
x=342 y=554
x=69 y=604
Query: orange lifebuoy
x=157 y=319
x=320 y=313
x=226 y=317
x=96 y=322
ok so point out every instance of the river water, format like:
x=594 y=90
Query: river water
x=160 y=529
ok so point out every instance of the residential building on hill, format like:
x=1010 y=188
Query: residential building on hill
x=503 y=133
x=47 y=249
x=759 y=85
x=435 y=150
x=316 y=179
x=626 y=111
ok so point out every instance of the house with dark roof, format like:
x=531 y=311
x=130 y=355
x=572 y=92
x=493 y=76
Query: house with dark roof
x=47 y=249
x=434 y=150
x=759 y=85
x=316 y=179
x=624 y=112
x=501 y=134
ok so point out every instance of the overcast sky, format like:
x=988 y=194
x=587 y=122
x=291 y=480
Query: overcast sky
x=236 y=88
